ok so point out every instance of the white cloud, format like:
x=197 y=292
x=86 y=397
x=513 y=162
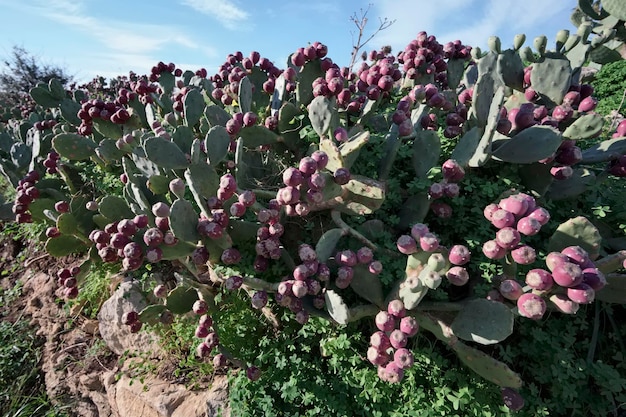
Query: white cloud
x=225 y=11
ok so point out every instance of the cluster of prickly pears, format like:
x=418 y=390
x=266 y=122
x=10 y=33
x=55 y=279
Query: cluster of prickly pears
x=160 y=68
x=51 y=162
x=567 y=154
x=514 y=216
x=448 y=187
x=388 y=348
x=420 y=234
x=346 y=260
x=45 y=124
x=99 y=109
x=66 y=278
x=26 y=194
x=205 y=331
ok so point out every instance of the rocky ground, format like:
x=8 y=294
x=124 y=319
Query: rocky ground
x=82 y=358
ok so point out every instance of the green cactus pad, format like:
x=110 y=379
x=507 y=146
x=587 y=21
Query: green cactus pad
x=20 y=155
x=455 y=70
x=66 y=223
x=350 y=150
x=426 y=152
x=203 y=183
x=411 y=297
x=158 y=184
x=216 y=143
x=586 y=6
x=304 y=88
x=530 y=145
x=487 y=367
x=151 y=314
x=65 y=245
x=614 y=291
x=193 y=106
x=573 y=186
x=364 y=195
x=38 y=207
x=335 y=160
x=69 y=110
x=483 y=151
x=254 y=136
x=56 y=89
x=570 y=44
x=73 y=146
x=44 y=98
x=108 y=152
x=336 y=307
x=603 y=55
x=511 y=69
x=177 y=251
x=413 y=210
x=260 y=99
x=536 y=177
x=391 y=148
x=107 y=128
x=244 y=98
x=183 y=137
x=483 y=321
x=323 y=115
x=551 y=77
x=482 y=98
x=578 y=231
x=615 y=8
x=368 y=286
x=165 y=153
x=467 y=146
x=289 y=123
x=585 y=127
x=605 y=151
x=242 y=230
x=184 y=221
x=180 y=300
x=216 y=115
x=326 y=244
x=142 y=167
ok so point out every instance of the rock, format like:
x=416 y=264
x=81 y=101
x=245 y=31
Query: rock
x=116 y=335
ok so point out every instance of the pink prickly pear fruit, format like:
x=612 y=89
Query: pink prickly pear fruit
x=621 y=129
x=220 y=361
x=576 y=254
x=346 y=258
x=489 y=210
x=384 y=321
x=594 y=278
x=409 y=326
x=512 y=399
x=341 y=176
x=540 y=112
x=418 y=230
x=531 y=94
x=452 y=171
x=299 y=289
x=364 y=255
x=200 y=307
x=508 y=238
x=405 y=128
x=436 y=190
x=201 y=332
x=567 y=274
x=233 y=282
x=581 y=294
x=203 y=350
x=502 y=218
x=377 y=357
x=554 y=259
x=524 y=255
x=528 y=226
x=515 y=204
x=572 y=98
x=562 y=113
x=397 y=338
x=457 y=275
x=429 y=242
x=531 y=306
x=539 y=279
x=380 y=341
x=161 y=209
x=340 y=134
x=564 y=304
x=511 y=289
x=541 y=215
x=406 y=245
x=393 y=373
x=321 y=158
x=459 y=255
x=375 y=267
x=396 y=308
x=403 y=358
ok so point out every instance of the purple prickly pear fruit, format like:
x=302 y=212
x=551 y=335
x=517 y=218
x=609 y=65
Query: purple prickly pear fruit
x=212 y=340
x=307 y=166
x=569 y=156
x=594 y=278
x=567 y=274
x=177 y=187
x=321 y=158
x=380 y=341
x=418 y=230
x=436 y=190
x=200 y=256
x=508 y=238
x=161 y=209
x=314 y=287
x=524 y=255
x=511 y=289
x=259 y=300
x=302 y=316
x=220 y=361
x=512 y=399
x=581 y=294
x=249 y=119
x=576 y=254
x=154 y=255
x=141 y=221
x=131 y=264
x=398 y=339
x=429 y=242
x=451 y=190
x=160 y=291
x=200 y=307
x=502 y=218
x=201 y=332
x=452 y=131
x=405 y=128
x=306 y=253
x=528 y=226
x=406 y=245
x=253 y=373
x=459 y=255
x=62 y=206
x=437 y=261
x=531 y=306
x=375 y=267
x=539 y=279
x=341 y=176
x=203 y=350
x=587 y=104
x=130 y=317
x=540 y=112
x=346 y=258
x=441 y=210
x=299 y=289
x=409 y=326
x=452 y=171
x=531 y=94
x=504 y=126
x=403 y=358
x=205 y=321
x=323 y=272
x=554 y=259
x=316 y=181
x=377 y=357
x=233 y=282
x=247 y=198
x=457 y=275
x=127 y=227
x=237 y=209
x=396 y=308
x=344 y=277
x=162 y=223
x=564 y=304
x=385 y=322
x=489 y=210
x=52 y=232
x=586 y=90
x=230 y=256
x=119 y=240
x=515 y=204
x=364 y=255
x=393 y=373
x=562 y=113
x=541 y=215
x=571 y=99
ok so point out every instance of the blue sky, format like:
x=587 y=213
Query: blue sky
x=112 y=37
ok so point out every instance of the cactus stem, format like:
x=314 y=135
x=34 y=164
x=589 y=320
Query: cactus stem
x=366 y=310
x=612 y=262
x=226 y=352
x=336 y=216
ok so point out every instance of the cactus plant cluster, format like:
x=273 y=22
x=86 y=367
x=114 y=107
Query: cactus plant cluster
x=251 y=180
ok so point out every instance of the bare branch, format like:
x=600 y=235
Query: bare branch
x=361 y=22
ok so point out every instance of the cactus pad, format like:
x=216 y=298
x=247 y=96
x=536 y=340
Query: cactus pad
x=483 y=321
x=578 y=231
x=165 y=153
x=73 y=146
